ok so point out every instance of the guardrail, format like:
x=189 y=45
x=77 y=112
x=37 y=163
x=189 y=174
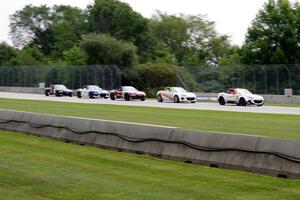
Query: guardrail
x=257 y=154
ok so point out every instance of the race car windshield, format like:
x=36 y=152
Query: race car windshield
x=179 y=89
x=129 y=89
x=243 y=91
x=93 y=87
x=60 y=87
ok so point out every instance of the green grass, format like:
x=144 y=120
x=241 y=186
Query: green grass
x=272 y=125
x=33 y=168
x=283 y=105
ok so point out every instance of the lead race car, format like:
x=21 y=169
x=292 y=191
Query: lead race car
x=128 y=93
x=176 y=94
x=92 y=91
x=239 y=96
x=58 y=90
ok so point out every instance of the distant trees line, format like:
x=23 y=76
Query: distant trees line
x=109 y=32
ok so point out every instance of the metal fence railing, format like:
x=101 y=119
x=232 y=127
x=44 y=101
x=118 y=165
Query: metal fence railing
x=106 y=76
x=263 y=79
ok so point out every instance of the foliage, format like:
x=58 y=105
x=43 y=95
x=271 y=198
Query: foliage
x=273 y=36
x=105 y=49
x=6 y=53
x=150 y=77
x=75 y=56
x=117 y=19
x=192 y=39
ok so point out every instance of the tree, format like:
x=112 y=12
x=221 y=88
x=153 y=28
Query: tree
x=105 y=49
x=75 y=56
x=117 y=19
x=6 y=53
x=273 y=37
x=192 y=39
x=52 y=30
x=27 y=57
x=31 y=24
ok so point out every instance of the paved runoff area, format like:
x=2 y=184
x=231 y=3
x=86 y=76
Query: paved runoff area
x=153 y=103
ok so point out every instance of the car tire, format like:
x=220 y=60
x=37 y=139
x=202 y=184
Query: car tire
x=70 y=95
x=112 y=97
x=91 y=96
x=193 y=101
x=176 y=99
x=143 y=99
x=79 y=95
x=159 y=98
x=47 y=93
x=57 y=94
x=242 y=102
x=126 y=97
x=221 y=101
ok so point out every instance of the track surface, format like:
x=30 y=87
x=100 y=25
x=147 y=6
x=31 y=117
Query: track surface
x=153 y=103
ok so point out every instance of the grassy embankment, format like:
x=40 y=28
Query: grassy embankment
x=33 y=168
x=271 y=125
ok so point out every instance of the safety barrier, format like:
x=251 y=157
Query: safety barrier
x=257 y=154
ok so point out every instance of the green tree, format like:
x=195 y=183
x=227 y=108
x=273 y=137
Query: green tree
x=75 y=56
x=28 y=56
x=52 y=30
x=6 y=53
x=273 y=37
x=192 y=39
x=105 y=49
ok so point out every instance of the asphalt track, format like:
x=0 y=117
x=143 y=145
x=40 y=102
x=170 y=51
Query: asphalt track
x=154 y=103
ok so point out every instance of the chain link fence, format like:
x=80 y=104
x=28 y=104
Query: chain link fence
x=262 y=79
x=106 y=76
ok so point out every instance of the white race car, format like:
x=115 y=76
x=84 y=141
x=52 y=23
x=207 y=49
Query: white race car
x=239 y=96
x=92 y=91
x=175 y=94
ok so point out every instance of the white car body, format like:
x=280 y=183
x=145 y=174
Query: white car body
x=176 y=94
x=239 y=96
x=92 y=91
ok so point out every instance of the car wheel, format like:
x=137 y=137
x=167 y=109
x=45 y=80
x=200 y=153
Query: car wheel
x=193 y=101
x=70 y=94
x=221 y=101
x=242 y=102
x=57 y=94
x=79 y=94
x=127 y=98
x=91 y=95
x=47 y=93
x=112 y=97
x=159 y=98
x=176 y=99
x=143 y=99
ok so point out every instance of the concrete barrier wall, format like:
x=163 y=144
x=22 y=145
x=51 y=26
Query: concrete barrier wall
x=258 y=154
x=30 y=90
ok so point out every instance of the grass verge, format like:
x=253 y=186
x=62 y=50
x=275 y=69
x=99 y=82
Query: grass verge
x=33 y=168
x=271 y=125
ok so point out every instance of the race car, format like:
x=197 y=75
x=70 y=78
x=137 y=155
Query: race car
x=176 y=94
x=239 y=96
x=58 y=90
x=128 y=93
x=92 y=91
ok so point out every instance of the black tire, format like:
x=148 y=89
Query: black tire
x=57 y=94
x=221 y=101
x=126 y=97
x=70 y=94
x=159 y=98
x=91 y=96
x=176 y=99
x=47 y=93
x=143 y=99
x=242 y=102
x=79 y=95
x=112 y=97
